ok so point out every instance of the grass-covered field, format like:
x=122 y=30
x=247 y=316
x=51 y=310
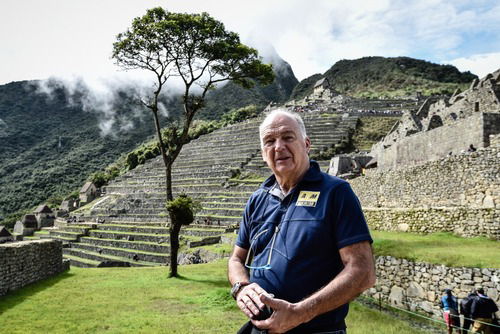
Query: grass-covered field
x=438 y=248
x=143 y=300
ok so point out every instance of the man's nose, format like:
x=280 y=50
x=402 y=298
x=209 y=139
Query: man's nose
x=279 y=145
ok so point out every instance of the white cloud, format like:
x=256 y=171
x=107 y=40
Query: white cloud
x=479 y=64
x=54 y=37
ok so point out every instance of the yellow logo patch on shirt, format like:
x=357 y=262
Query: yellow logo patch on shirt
x=308 y=198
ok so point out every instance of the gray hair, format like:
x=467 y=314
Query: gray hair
x=282 y=111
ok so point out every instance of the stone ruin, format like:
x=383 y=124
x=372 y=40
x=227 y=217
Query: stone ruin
x=443 y=126
x=5 y=235
x=325 y=98
x=26 y=226
x=42 y=217
x=348 y=167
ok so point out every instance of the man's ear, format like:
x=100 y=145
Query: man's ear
x=308 y=145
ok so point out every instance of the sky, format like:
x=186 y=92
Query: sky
x=72 y=38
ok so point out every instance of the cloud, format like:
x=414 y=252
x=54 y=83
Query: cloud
x=479 y=64
x=311 y=37
x=102 y=96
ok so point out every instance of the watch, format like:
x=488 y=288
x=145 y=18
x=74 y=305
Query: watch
x=237 y=287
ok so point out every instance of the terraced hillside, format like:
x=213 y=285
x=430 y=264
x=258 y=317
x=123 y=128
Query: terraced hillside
x=128 y=226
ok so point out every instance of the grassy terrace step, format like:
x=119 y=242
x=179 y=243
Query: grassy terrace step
x=438 y=248
x=134 y=228
x=184 y=180
x=234 y=212
x=68 y=236
x=218 y=219
x=95 y=256
x=195 y=188
x=207 y=205
x=220 y=193
x=129 y=236
x=76 y=261
x=133 y=255
x=137 y=245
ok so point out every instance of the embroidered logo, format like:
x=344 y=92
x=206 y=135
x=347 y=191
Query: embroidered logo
x=308 y=198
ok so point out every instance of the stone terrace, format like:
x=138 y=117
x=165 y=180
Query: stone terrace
x=129 y=225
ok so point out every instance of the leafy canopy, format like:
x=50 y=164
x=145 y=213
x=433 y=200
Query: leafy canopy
x=195 y=47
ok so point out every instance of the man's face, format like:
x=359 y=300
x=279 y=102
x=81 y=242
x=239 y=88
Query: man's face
x=283 y=148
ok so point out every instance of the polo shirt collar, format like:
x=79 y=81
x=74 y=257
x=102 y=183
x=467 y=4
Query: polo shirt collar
x=313 y=174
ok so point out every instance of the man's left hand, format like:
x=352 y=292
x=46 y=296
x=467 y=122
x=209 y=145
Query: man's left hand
x=285 y=316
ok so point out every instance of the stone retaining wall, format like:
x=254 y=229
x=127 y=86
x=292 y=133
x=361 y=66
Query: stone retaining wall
x=417 y=286
x=469 y=179
x=465 y=222
x=25 y=262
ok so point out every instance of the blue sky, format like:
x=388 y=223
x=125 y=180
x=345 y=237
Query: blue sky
x=43 y=38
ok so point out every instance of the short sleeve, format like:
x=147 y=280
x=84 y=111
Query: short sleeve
x=243 y=239
x=350 y=223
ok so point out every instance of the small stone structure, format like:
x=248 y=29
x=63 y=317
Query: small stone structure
x=27 y=226
x=68 y=205
x=25 y=262
x=88 y=193
x=44 y=216
x=348 y=167
x=5 y=235
x=445 y=126
x=417 y=286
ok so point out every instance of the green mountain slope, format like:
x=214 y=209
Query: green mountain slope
x=379 y=76
x=50 y=145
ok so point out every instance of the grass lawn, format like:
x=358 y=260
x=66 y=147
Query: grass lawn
x=438 y=248
x=143 y=300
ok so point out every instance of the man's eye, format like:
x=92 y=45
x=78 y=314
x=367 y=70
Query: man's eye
x=268 y=141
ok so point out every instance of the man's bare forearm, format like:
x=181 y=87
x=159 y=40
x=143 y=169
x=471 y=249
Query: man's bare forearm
x=236 y=271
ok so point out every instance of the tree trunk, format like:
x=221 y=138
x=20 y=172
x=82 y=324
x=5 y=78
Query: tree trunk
x=174 y=230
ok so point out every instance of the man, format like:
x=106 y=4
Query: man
x=482 y=311
x=303 y=236
x=465 y=305
x=450 y=310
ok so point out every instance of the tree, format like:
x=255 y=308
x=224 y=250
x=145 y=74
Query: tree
x=199 y=51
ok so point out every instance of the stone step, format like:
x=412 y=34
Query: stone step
x=133 y=255
x=95 y=256
x=236 y=205
x=79 y=262
x=134 y=228
x=65 y=235
x=235 y=212
x=130 y=236
x=151 y=247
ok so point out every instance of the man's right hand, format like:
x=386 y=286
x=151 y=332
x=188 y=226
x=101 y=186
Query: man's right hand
x=248 y=300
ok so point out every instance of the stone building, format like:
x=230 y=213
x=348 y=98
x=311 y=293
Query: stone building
x=442 y=127
x=88 y=193
x=44 y=216
x=27 y=226
x=5 y=235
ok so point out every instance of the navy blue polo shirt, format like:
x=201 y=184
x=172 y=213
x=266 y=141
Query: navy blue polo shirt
x=316 y=219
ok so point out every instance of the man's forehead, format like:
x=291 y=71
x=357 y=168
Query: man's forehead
x=281 y=124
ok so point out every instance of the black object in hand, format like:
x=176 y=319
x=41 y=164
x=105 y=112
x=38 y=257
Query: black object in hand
x=264 y=313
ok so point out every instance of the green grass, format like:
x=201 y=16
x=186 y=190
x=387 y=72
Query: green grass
x=438 y=248
x=143 y=300
x=370 y=130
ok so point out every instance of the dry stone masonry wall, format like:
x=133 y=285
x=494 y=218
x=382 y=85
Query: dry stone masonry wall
x=459 y=194
x=25 y=262
x=417 y=286
x=466 y=179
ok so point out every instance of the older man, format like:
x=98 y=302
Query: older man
x=303 y=247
